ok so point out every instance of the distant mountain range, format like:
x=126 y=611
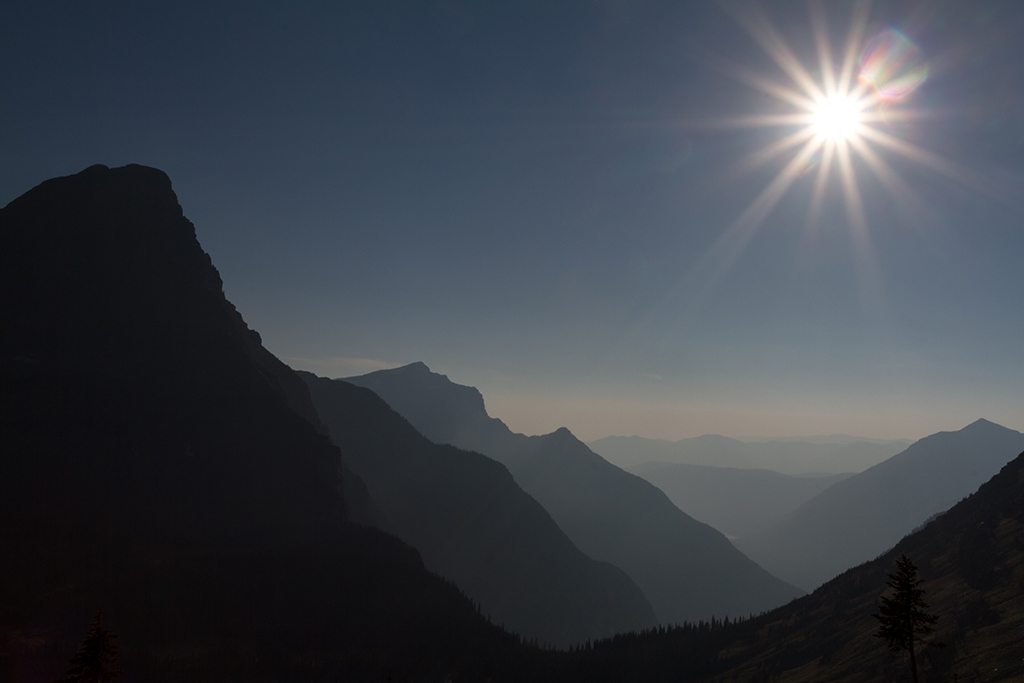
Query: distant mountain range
x=737 y=502
x=825 y=439
x=834 y=455
x=856 y=519
x=474 y=525
x=687 y=569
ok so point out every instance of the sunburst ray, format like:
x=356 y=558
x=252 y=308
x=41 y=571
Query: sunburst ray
x=854 y=45
x=820 y=184
x=764 y=34
x=842 y=118
x=824 y=46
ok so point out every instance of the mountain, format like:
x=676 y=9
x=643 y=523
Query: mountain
x=158 y=464
x=687 y=570
x=858 y=518
x=737 y=502
x=155 y=464
x=824 y=439
x=971 y=560
x=787 y=457
x=474 y=525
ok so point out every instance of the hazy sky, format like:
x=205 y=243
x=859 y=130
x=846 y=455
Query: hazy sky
x=529 y=198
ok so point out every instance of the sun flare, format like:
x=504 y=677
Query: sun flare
x=837 y=117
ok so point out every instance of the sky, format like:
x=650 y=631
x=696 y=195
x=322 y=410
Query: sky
x=558 y=203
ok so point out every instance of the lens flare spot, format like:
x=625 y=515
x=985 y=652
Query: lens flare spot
x=836 y=118
x=893 y=65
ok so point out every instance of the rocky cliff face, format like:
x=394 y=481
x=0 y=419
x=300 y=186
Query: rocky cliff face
x=158 y=464
x=120 y=325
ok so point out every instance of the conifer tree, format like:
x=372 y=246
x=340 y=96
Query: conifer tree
x=902 y=617
x=94 y=659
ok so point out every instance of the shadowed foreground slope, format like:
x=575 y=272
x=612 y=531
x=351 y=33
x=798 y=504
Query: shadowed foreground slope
x=474 y=525
x=687 y=569
x=972 y=561
x=152 y=465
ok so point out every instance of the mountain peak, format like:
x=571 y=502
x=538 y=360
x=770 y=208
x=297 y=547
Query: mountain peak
x=563 y=434
x=104 y=247
x=414 y=368
x=417 y=369
x=565 y=439
x=125 y=316
x=429 y=400
x=979 y=429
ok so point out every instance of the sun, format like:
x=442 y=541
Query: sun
x=837 y=118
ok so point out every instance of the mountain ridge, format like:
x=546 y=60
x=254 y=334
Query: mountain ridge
x=855 y=519
x=687 y=569
x=474 y=525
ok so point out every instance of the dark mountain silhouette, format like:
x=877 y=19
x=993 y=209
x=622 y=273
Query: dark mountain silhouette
x=737 y=502
x=156 y=463
x=154 y=468
x=856 y=519
x=820 y=456
x=971 y=560
x=686 y=569
x=474 y=525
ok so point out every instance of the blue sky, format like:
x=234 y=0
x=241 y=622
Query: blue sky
x=524 y=196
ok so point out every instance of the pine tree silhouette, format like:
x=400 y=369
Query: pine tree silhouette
x=902 y=617
x=92 y=663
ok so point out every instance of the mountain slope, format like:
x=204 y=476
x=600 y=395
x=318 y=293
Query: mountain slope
x=158 y=464
x=856 y=519
x=786 y=457
x=737 y=502
x=474 y=525
x=971 y=560
x=686 y=569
